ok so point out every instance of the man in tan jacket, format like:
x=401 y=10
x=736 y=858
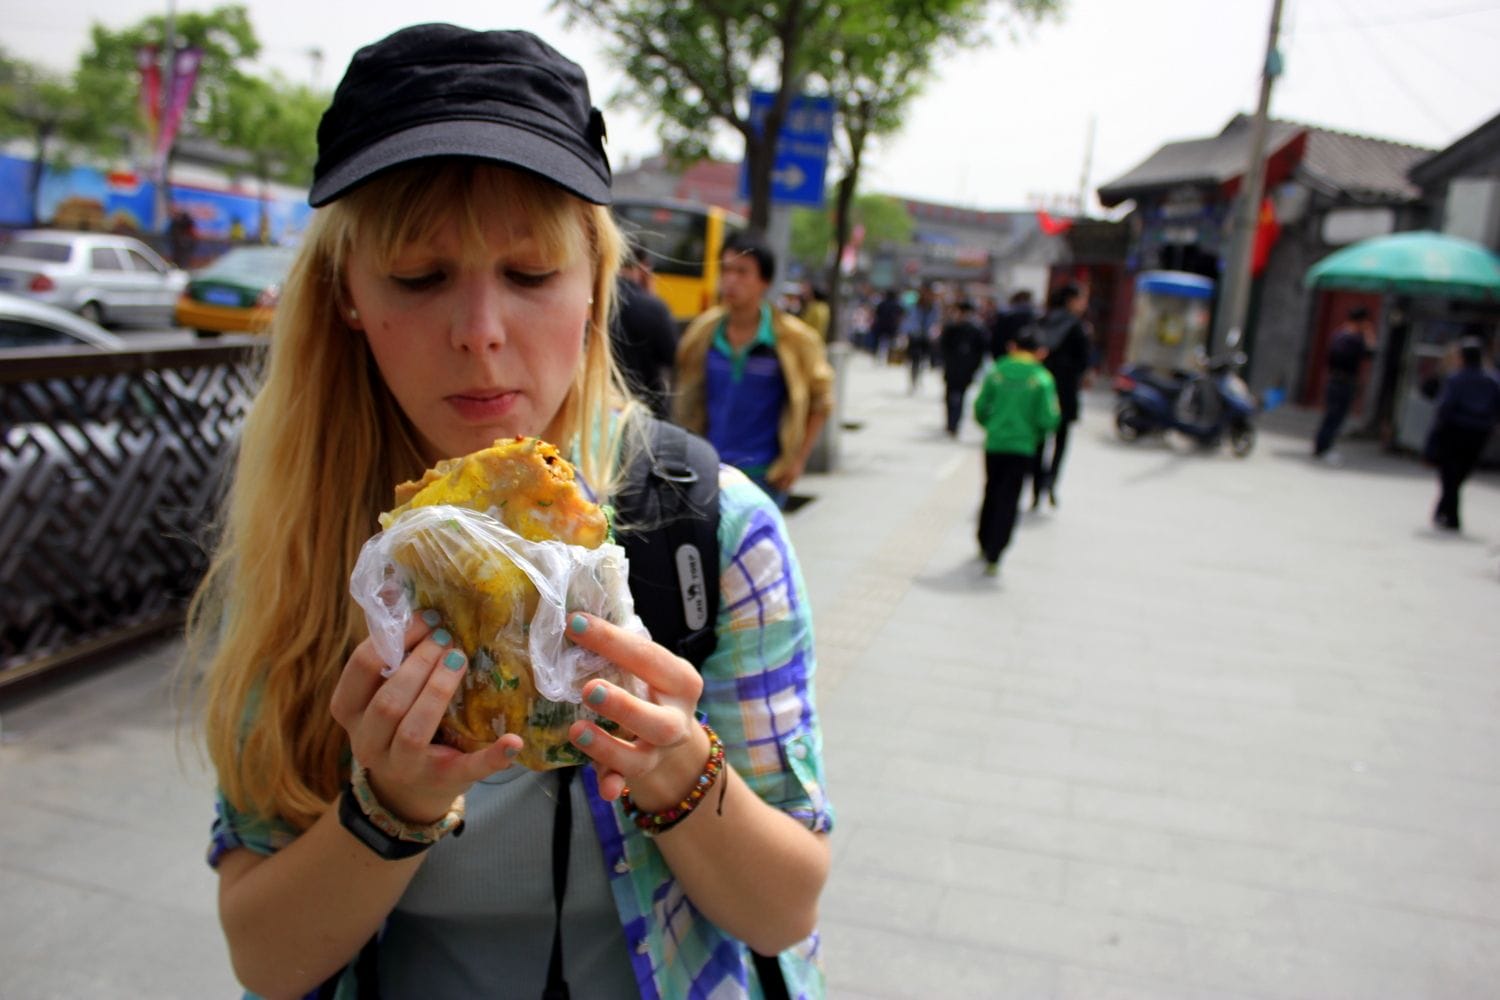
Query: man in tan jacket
x=754 y=380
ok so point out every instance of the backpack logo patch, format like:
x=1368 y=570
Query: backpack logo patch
x=691 y=582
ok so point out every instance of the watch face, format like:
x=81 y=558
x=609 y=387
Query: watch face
x=353 y=819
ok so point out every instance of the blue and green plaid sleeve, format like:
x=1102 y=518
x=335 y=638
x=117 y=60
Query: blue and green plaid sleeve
x=758 y=684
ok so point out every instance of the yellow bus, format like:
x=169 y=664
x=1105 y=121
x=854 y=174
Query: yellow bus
x=683 y=242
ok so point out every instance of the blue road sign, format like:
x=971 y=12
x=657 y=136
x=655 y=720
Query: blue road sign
x=798 y=175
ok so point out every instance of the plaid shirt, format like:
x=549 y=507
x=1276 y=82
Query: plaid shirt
x=758 y=695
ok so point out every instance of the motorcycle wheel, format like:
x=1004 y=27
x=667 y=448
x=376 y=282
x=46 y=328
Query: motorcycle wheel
x=1241 y=440
x=1128 y=419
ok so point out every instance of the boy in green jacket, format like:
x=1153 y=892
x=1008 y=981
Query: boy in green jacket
x=1017 y=405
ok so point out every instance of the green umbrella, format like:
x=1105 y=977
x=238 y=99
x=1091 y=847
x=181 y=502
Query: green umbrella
x=1420 y=263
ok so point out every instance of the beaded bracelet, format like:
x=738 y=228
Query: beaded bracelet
x=391 y=824
x=660 y=822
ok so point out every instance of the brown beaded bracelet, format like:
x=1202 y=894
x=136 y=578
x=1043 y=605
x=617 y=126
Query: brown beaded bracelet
x=660 y=822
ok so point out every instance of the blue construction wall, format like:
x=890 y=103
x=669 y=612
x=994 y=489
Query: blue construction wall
x=90 y=198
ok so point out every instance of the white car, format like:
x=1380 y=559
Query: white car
x=29 y=325
x=103 y=278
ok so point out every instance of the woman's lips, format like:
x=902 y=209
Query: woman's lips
x=482 y=407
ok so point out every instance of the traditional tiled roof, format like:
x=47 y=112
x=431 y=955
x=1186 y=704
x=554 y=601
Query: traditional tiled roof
x=1460 y=155
x=1333 y=160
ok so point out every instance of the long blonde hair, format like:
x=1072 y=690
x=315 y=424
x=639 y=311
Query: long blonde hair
x=319 y=454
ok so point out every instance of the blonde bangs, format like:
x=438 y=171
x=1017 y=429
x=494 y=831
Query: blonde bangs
x=319 y=455
x=408 y=206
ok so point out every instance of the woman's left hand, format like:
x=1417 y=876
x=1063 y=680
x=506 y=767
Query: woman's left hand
x=669 y=746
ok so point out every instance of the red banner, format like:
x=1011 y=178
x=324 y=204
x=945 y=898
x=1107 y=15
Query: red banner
x=1267 y=231
x=184 y=75
x=146 y=62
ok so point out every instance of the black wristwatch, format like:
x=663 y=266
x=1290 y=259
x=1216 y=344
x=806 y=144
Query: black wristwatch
x=353 y=819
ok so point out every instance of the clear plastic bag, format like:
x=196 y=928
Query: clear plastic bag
x=469 y=561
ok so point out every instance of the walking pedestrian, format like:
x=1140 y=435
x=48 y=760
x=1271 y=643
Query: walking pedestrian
x=886 y=323
x=1468 y=407
x=961 y=346
x=923 y=320
x=815 y=311
x=752 y=379
x=451 y=290
x=1352 y=345
x=643 y=334
x=1017 y=404
x=1067 y=352
x=1009 y=322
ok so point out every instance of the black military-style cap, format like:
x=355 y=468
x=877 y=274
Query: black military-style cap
x=435 y=90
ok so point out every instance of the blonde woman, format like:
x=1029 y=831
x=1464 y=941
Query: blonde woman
x=455 y=288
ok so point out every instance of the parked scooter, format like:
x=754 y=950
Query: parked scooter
x=1206 y=405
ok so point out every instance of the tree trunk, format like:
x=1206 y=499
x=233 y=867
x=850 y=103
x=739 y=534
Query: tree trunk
x=760 y=157
x=848 y=184
x=841 y=228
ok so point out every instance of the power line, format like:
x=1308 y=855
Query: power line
x=1396 y=76
x=1359 y=22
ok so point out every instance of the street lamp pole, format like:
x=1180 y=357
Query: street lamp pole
x=1236 y=301
x=169 y=50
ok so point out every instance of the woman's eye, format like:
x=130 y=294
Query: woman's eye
x=530 y=279
x=418 y=282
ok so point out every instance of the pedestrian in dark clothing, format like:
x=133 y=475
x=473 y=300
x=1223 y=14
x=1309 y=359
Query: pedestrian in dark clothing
x=1009 y=322
x=1347 y=353
x=1068 y=351
x=643 y=337
x=887 y=323
x=1017 y=405
x=923 y=319
x=961 y=346
x=1468 y=408
x=182 y=236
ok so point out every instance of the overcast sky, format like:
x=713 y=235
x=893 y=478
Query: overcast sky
x=1009 y=123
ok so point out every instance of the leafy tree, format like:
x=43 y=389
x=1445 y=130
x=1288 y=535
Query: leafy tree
x=276 y=122
x=37 y=104
x=885 y=219
x=108 y=82
x=883 y=55
x=694 y=64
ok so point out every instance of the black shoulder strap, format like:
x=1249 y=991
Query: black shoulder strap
x=669 y=509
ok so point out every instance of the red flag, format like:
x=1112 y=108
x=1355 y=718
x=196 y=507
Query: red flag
x=145 y=61
x=1051 y=226
x=184 y=75
x=1267 y=231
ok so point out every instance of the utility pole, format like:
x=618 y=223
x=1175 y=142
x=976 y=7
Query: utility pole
x=1088 y=166
x=169 y=77
x=1236 y=300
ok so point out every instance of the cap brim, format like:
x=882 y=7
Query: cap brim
x=509 y=145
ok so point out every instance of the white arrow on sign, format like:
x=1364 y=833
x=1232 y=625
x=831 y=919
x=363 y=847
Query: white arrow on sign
x=789 y=177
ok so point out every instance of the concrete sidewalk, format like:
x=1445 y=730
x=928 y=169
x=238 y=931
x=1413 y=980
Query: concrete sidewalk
x=1221 y=728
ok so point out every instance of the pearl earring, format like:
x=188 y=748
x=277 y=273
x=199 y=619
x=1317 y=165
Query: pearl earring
x=353 y=315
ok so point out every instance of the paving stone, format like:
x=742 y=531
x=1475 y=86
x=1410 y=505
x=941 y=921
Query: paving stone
x=1220 y=729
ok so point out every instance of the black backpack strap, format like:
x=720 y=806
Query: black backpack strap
x=669 y=508
x=556 y=987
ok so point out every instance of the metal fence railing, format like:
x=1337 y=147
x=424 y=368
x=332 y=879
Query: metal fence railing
x=110 y=468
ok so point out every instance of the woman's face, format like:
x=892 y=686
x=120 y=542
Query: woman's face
x=474 y=347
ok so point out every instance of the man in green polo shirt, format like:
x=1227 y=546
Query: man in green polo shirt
x=754 y=380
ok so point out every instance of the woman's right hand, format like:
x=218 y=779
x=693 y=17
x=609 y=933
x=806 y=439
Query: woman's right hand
x=391 y=722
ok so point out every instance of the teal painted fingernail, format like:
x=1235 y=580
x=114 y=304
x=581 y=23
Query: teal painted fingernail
x=454 y=660
x=585 y=738
x=512 y=752
x=441 y=637
x=597 y=696
x=579 y=624
x=432 y=618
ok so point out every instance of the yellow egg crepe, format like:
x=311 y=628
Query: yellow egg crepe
x=486 y=601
